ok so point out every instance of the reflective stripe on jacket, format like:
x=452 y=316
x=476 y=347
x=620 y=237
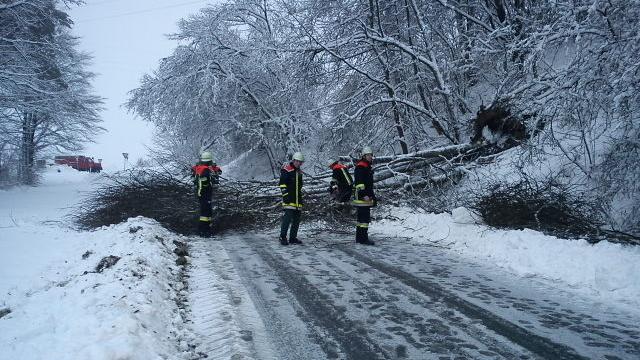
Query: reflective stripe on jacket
x=205 y=175
x=363 y=184
x=341 y=177
x=291 y=186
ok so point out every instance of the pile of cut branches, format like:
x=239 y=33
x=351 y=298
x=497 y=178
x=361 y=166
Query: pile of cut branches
x=540 y=205
x=171 y=201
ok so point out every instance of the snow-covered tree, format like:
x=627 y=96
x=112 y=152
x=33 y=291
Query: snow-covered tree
x=45 y=95
x=230 y=86
x=405 y=76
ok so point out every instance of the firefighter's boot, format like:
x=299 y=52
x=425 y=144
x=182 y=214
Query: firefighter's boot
x=295 y=241
x=365 y=236
x=204 y=229
x=283 y=241
x=359 y=235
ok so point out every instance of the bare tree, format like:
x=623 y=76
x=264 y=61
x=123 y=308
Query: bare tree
x=45 y=96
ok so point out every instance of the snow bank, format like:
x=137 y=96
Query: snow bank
x=63 y=174
x=54 y=304
x=61 y=308
x=605 y=270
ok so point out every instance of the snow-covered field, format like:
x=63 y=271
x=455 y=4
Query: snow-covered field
x=60 y=306
x=605 y=271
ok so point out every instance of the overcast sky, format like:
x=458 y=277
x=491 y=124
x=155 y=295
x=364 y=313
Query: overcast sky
x=127 y=39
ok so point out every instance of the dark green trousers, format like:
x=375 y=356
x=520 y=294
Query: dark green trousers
x=290 y=218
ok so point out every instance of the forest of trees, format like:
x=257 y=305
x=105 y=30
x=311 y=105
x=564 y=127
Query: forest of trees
x=46 y=100
x=328 y=77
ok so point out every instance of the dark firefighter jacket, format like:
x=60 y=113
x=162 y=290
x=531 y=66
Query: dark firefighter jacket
x=291 y=187
x=205 y=176
x=341 y=177
x=363 y=184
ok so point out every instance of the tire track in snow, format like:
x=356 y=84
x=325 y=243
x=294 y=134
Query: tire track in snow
x=291 y=329
x=538 y=345
x=431 y=321
x=351 y=336
x=310 y=275
x=222 y=315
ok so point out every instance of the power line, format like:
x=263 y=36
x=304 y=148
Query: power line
x=141 y=11
x=87 y=4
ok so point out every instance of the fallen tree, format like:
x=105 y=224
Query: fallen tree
x=420 y=179
x=170 y=199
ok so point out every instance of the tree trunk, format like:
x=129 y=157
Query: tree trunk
x=500 y=10
x=434 y=122
x=26 y=173
x=375 y=14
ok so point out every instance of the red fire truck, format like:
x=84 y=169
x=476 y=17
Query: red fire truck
x=79 y=162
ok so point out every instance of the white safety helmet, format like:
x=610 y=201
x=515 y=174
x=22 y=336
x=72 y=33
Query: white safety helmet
x=366 y=150
x=297 y=156
x=206 y=156
x=331 y=162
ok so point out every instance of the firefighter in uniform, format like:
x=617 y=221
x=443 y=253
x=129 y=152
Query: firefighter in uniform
x=364 y=197
x=341 y=182
x=291 y=187
x=206 y=175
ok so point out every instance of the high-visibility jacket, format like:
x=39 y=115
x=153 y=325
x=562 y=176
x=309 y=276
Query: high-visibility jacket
x=363 y=184
x=291 y=186
x=341 y=177
x=205 y=176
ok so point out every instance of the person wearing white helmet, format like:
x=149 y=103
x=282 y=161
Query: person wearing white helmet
x=341 y=182
x=205 y=174
x=291 y=186
x=364 y=197
x=206 y=156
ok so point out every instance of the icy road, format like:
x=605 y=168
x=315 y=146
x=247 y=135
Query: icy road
x=332 y=299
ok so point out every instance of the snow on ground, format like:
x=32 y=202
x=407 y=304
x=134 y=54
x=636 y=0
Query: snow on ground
x=605 y=270
x=60 y=306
